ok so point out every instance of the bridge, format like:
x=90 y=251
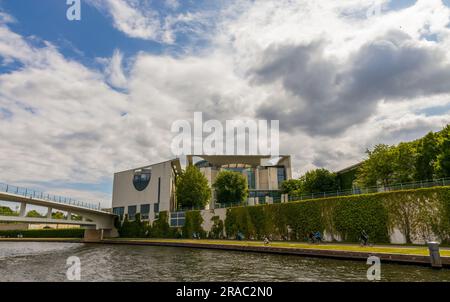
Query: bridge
x=96 y=222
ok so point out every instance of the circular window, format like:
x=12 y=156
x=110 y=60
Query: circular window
x=141 y=179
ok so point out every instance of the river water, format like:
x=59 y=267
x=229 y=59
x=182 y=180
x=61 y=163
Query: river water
x=25 y=261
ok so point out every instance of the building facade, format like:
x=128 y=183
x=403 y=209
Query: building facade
x=264 y=174
x=146 y=190
x=151 y=189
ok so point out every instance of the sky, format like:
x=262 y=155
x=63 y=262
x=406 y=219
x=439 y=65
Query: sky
x=82 y=99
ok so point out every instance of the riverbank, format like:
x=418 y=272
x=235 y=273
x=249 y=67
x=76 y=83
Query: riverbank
x=415 y=255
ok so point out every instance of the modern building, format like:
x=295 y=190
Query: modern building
x=150 y=189
x=146 y=190
x=264 y=173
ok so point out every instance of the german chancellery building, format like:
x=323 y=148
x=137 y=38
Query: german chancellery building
x=150 y=189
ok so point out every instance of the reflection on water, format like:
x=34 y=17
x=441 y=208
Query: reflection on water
x=23 y=261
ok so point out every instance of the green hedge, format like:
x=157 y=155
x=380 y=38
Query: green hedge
x=193 y=224
x=416 y=213
x=45 y=233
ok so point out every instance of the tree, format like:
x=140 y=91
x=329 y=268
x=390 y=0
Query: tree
x=192 y=188
x=58 y=215
x=34 y=213
x=442 y=166
x=290 y=186
x=378 y=167
x=6 y=211
x=404 y=159
x=427 y=152
x=230 y=187
x=319 y=180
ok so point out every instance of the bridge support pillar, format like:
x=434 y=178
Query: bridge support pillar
x=23 y=209
x=92 y=235
x=49 y=213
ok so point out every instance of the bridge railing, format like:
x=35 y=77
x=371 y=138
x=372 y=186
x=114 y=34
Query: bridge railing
x=45 y=196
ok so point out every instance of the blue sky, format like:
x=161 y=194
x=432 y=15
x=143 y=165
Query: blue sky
x=99 y=95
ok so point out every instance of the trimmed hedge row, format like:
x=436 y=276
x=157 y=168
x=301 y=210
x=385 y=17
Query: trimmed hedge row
x=418 y=214
x=46 y=233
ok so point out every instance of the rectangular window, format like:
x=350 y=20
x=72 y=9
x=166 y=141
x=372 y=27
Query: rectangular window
x=177 y=219
x=145 y=211
x=156 y=208
x=131 y=212
x=281 y=175
x=119 y=212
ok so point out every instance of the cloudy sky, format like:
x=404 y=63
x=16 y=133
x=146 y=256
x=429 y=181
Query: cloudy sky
x=80 y=100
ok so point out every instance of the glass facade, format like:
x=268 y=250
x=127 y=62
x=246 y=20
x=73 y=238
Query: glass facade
x=120 y=211
x=145 y=211
x=131 y=212
x=251 y=179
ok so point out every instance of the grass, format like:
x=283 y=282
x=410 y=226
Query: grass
x=393 y=249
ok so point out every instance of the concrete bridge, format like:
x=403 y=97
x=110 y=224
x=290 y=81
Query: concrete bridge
x=96 y=222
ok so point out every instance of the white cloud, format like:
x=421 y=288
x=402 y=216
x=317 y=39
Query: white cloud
x=61 y=121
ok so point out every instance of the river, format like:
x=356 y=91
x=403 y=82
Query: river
x=29 y=261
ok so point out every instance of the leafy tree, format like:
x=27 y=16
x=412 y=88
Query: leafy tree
x=34 y=213
x=319 y=180
x=230 y=187
x=378 y=167
x=404 y=159
x=58 y=215
x=443 y=159
x=290 y=186
x=6 y=211
x=427 y=152
x=192 y=188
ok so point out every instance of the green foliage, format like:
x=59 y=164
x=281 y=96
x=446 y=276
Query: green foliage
x=378 y=168
x=46 y=233
x=161 y=227
x=217 y=228
x=403 y=164
x=58 y=215
x=34 y=213
x=353 y=215
x=443 y=159
x=290 y=186
x=231 y=187
x=6 y=211
x=427 y=152
x=133 y=229
x=416 y=213
x=193 y=224
x=192 y=188
x=319 y=180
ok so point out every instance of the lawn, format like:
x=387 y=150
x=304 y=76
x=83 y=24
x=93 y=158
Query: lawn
x=390 y=249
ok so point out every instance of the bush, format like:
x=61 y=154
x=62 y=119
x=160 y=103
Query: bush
x=47 y=233
x=231 y=187
x=217 y=228
x=193 y=224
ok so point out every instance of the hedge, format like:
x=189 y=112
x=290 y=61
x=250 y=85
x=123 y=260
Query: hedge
x=416 y=213
x=45 y=233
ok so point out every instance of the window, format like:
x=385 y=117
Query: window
x=177 y=219
x=119 y=212
x=156 y=208
x=131 y=212
x=145 y=211
x=281 y=175
x=141 y=179
x=251 y=178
